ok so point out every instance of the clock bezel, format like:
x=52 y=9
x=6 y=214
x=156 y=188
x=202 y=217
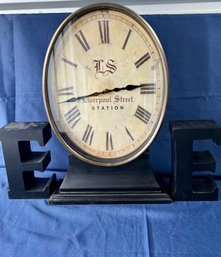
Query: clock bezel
x=71 y=146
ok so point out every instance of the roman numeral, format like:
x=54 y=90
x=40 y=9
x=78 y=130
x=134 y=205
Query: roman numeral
x=129 y=134
x=109 y=141
x=69 y=62
x=80 y=37
x=148 y=88
x=142 y=60
x=126 y=40
x=104 y=31
x=65 y=91
x=142 y=114
x=88 y=134
x=73 y=116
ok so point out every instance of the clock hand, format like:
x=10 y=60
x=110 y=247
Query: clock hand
x=106 y=91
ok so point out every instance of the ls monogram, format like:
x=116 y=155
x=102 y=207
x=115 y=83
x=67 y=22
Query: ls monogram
x=104 y=69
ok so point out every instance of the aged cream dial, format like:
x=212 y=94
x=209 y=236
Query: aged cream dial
x=105 y=84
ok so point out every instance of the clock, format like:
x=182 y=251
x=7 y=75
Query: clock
x=105 y=84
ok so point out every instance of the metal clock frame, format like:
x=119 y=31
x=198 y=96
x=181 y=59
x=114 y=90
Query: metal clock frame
x=73 y=148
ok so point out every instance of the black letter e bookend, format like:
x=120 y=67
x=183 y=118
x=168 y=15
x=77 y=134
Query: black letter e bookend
x=21 y=162
x=185 y=161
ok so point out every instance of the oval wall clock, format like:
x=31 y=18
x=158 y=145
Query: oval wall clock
x=105 y=84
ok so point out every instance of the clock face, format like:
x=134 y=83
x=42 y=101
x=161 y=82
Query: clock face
x=105 y=84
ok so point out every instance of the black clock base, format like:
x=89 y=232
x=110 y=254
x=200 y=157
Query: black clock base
x=108 y=197
x=130 y=183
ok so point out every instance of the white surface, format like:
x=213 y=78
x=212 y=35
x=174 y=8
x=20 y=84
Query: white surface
x=140 y=6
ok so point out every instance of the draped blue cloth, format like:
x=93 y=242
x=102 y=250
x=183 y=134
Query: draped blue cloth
x=192 y=45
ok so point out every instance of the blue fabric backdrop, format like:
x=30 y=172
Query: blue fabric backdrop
x=192 y=44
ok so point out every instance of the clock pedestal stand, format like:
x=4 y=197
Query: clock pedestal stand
x=131 y=183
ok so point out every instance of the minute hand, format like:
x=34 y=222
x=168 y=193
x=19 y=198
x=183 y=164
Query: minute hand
x=106 y=91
